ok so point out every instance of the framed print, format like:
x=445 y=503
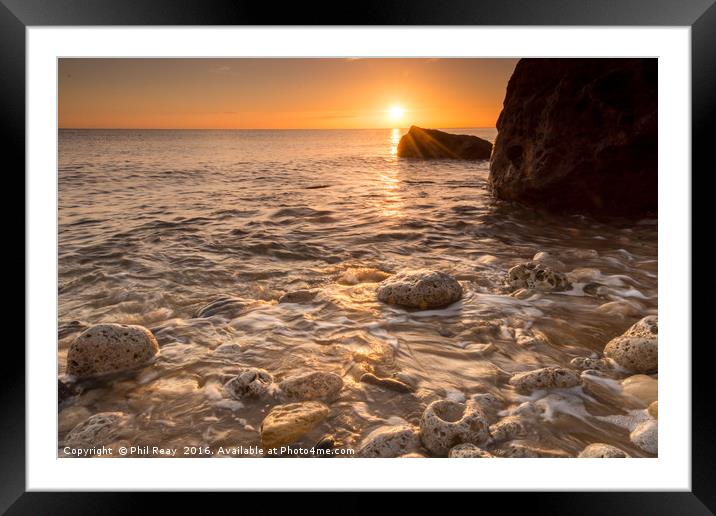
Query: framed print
x=321 y=244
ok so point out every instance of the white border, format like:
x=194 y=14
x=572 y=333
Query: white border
x=670 y=471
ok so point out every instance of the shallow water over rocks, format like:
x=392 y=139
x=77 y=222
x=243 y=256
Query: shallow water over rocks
x=198 y=234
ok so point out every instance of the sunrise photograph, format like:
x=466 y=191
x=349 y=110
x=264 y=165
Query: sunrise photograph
x=357 y=258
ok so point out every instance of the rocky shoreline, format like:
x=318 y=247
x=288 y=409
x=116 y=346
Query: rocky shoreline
x=479 y=426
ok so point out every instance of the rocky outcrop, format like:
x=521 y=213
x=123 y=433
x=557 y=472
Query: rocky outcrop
x=286 y=423
x=579 y=134
x=106 y=348
x=638 y=348
x=433 y=144
x=421 y=289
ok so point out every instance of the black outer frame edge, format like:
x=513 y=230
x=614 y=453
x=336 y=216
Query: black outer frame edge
x=701 y=14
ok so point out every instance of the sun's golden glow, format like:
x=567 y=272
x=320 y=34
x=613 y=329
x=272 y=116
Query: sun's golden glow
x=396 y=113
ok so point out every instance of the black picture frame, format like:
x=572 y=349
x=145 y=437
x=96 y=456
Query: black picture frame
x=700 y=15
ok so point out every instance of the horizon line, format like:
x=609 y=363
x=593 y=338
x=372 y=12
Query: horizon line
x=260 y=128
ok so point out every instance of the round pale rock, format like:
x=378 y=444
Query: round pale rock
x=389 y=441
x=645 y=436
x=536 y=276
x=106 y=348
x=642 y=387
x=421 y=289
x=602 y=451
x=286 y=423
x=445 y=424
x=250 y=383
x=507 y=429
x=638 y=348
x=468 y=451
x=311 y=386
x=654 y=409
x=97 y=430
x=545 y=378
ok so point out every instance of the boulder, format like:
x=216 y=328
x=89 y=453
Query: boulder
x=433 y=144
x=638 y=348
x=389 y=441
x=579 y=135
x=250 y=383
x=421 y=289
x=545 y=378
x=311 y=386
x=106 y=348
x=445 y=424
x=468 y=451
x=286 y=423
x=602 y=451
x=536 y=276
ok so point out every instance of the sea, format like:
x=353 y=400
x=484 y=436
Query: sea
x=154 y=225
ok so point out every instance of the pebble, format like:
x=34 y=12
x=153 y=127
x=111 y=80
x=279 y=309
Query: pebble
x=421 y=289
x=645 y=436
x=106 y=348
x=389 y=441
x=314 y=385
x=602 y=451
x=641 y=386
x=536 y=276
x=468 y=451
x=284 y=424
x=507 y=429
x=250 y=383
x=545 y=378
x=549 y=260
x=637 y=349
x=445 y=424
x=586 y=363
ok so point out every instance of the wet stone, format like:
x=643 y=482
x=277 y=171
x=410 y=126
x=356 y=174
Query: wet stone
x=602 y=451
x=445 y=424
x=287 y=423
x=645 y=436
x=588 y=363
x=97 y=430
x=507 y=429
x=421 y=289
x=311 y=386
x=298 y=296
x=638 y=348
x=386 y=383
x=389 y=441
x=106 y=348
x=250 y=383
x=536 y=276
x=468 y=451
x=545 y=378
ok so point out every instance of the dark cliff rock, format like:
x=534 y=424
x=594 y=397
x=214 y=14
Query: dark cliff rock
x=433 y=144
x=579 y=135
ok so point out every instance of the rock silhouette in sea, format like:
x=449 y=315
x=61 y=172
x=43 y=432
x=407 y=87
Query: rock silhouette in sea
x=287 y=423
x=638 y=348
x=579 y=135
x=602 y=451
x=390 y=441
x=433 y=144
x=421 y=289
x=315 y=385
x=545 y=378
x=106 y=348
x=445 y=424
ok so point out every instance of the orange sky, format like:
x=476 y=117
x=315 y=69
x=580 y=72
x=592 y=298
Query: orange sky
x=281 y=93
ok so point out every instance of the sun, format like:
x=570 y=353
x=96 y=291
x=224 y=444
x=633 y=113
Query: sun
x=396 y=113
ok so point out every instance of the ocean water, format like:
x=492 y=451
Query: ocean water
x=155 y=225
